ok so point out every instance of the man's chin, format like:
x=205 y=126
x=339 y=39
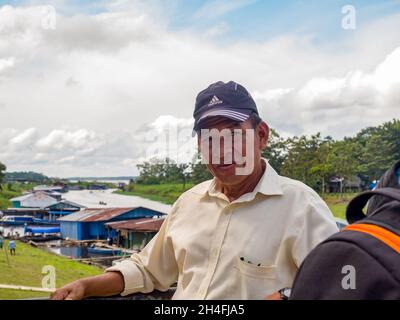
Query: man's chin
x=228 y=174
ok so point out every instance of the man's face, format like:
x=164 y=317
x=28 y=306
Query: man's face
x=235 y=161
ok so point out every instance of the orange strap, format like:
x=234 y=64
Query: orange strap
x=391 y=239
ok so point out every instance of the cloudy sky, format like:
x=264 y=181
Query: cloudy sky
x=91 y=88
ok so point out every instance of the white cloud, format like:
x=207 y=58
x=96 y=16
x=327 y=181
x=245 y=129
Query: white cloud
x=25 y=137
x=344 y=104
x=61 y=139
x=92 y=88
x=6 y=63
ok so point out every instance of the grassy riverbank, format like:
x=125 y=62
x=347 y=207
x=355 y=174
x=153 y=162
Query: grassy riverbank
x=25 y=268
x=168 y=193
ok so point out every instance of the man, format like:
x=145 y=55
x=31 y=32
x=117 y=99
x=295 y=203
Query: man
x=241 y=235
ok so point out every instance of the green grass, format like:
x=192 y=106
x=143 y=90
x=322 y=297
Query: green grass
x=5 y=196
x=165 y=193
x=8 y=191
x=26 y=269
x=338 y=203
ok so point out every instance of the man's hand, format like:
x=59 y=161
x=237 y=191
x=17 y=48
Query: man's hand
x=108 y=284
x=274 y=296
x=72 y=291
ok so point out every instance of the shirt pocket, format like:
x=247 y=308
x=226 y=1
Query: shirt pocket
x=255 y=271
x=255 y=282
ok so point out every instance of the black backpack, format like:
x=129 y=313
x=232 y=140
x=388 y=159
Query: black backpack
x=370 y=247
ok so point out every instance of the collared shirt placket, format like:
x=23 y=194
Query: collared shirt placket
x=215 y=250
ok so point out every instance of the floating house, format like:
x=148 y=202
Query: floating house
x=63 y=208
x=33 y=212
x=42 y=206
x=97 y=187
x=90 y=223
x=50 y=189
x=353 y=184
x=38 y=200
x=135 y=234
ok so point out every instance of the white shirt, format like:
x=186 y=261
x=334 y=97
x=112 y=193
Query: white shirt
x=245 y=249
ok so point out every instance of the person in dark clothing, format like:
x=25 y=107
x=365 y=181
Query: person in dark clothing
x=362 y=262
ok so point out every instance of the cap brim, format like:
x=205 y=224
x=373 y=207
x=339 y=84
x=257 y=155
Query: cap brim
x=226 y=113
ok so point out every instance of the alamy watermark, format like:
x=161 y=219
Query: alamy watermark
x=349 y=280
x=45 y=17
x=233 y=151
x=349 y=20
x=49 y=279
x=49 y=18
x=238 y=146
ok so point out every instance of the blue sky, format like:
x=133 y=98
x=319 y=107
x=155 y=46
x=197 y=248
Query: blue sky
x=262 y=19
x=249 y=20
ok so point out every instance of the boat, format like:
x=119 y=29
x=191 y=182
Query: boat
x=22 y=220
x=42 y=230
x=41 y=238
x=16 y=220
x=101 y=250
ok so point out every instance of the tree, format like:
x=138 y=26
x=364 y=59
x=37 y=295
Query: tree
x=199 y=171
x=381 y=148
x=276 y=151
x=151 y=172
x=321 y=168
x=305 y=161
x=344 y=159
x=3 y=168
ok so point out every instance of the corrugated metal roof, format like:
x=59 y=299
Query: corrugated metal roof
x=47 y=188
x=35 y=200
x=96 y=214
x=69 y=203
x=143 y=225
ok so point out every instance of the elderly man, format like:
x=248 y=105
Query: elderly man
x=241 y=235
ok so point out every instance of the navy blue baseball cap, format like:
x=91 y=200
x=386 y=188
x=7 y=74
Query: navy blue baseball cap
x=230 y=100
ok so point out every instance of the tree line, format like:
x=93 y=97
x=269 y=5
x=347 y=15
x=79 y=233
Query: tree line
x=314 y=160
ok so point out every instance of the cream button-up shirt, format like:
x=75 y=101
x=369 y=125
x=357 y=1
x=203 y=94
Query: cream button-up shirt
x=245 y=249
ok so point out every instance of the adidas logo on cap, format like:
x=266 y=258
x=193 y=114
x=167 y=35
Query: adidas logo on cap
x=214 y=101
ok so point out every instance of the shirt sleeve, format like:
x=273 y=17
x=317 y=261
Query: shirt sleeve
x=154 y=267
x=316 y=225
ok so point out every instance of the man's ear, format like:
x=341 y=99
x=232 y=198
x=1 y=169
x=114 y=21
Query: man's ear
x=263 y=134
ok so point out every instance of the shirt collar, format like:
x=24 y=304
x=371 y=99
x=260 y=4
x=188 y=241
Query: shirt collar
x=269 y=185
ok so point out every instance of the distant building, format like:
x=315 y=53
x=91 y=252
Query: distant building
x=135 y=234
x=97 y=187
x=38 y=200
x=33 y=212
x=75 y=187
x=90 y=223
x=63 y=208
x=122 y=186
x=50 y=189
x=55 y=195
x=337 y=184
